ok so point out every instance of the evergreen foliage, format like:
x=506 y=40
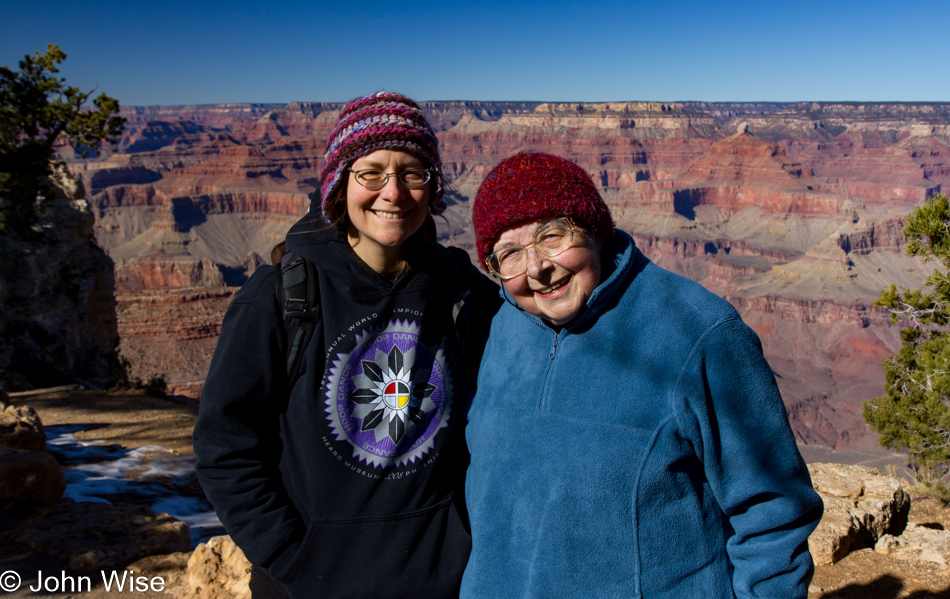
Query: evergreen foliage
x=914 y=415
x=39 y=113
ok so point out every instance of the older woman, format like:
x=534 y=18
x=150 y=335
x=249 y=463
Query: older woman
x=627 y=436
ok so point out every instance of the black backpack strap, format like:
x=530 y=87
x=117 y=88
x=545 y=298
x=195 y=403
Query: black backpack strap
x=299 y=299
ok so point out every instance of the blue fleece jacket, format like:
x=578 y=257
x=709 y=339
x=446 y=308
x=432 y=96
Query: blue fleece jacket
x=641 y=451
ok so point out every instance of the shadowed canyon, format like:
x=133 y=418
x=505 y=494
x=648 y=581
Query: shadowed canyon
x=792 y=212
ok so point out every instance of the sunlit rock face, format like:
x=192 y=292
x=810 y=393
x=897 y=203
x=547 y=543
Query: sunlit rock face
x=792 y=212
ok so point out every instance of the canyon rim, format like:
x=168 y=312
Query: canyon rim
x=791 y=211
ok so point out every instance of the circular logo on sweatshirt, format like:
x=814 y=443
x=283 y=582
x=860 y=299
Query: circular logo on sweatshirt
x=390 y=396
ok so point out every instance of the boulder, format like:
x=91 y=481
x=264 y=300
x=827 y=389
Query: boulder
x=836 y=535
x=917 y=543
x=30 y=476
x=218 y=569
x=20 y=428
x=861 y=506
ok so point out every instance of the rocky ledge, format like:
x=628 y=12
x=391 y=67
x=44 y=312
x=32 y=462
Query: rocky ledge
x=871 y=537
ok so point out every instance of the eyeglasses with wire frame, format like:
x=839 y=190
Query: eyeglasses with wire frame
x=551 y=239
x=372 y=178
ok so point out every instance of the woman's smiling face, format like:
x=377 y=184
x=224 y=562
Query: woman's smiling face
x=555 y=289
x=383 y=219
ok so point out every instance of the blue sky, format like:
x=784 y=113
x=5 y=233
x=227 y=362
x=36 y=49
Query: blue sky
x=195 y=52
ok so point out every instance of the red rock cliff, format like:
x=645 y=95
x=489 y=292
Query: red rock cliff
x=790 y=211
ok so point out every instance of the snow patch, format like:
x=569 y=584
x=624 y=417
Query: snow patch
x=95 y=470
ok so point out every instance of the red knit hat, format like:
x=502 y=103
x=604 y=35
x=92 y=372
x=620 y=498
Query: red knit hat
x=529 y=187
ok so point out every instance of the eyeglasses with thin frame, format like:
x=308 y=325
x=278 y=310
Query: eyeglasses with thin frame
x=372 y=178
x=551 y=239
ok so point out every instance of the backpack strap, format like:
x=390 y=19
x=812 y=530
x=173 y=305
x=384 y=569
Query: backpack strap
x=299 y=299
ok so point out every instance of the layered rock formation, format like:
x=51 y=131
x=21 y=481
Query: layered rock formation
x=58 y=322
x=861 y=506
x=792 y=212
x=864 y=509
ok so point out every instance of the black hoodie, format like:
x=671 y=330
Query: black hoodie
x=352 y=483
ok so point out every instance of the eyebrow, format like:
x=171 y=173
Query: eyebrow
x=497 y=248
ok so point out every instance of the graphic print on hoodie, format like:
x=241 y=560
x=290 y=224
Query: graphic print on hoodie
x=389 y=396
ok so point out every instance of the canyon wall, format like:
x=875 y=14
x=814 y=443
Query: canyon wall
x=58 y=323
x=792 y=212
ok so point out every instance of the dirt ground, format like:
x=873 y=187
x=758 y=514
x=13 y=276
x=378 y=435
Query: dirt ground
x=134 y=420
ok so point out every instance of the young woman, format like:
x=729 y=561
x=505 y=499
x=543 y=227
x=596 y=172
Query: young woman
x=640 y=448
x=348 y=483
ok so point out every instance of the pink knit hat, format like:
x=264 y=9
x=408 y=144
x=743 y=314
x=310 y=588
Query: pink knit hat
x=384 y=120
x=531 y=186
